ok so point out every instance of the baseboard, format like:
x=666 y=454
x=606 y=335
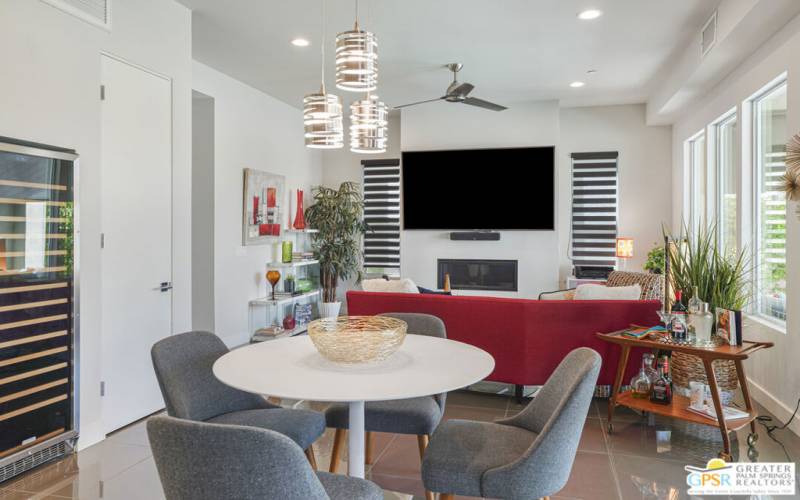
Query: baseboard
x=776 y=407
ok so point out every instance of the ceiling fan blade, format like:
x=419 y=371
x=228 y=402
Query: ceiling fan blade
x=474 y=101
x=462 y=90
x=418 y=102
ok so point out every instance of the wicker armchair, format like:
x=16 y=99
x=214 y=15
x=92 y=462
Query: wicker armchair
x=652 y=284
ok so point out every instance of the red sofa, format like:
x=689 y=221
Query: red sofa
x=528 y=338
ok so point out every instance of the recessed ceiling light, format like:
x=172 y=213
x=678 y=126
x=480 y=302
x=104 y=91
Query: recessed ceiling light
x=300 y=42
x=589 y=14
x=576 y=85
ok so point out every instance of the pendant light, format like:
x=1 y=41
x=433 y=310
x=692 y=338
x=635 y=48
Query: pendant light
x=356 y=59
x=322 y=112
x=368 y=125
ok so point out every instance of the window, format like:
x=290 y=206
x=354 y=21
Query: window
x=698 y=174
x=726 y=169
x=382 y=214
x=769 y=138
x=594 y=208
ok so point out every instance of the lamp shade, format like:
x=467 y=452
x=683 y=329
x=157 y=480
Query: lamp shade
x=356 y=60
x=624 y=248
x=368 y=125
x=322 y=119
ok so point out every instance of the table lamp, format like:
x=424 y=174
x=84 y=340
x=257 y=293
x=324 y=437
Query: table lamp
x=624 y=249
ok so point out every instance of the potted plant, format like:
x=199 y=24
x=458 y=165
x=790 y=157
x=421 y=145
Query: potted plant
x=655 y=260
x=338 y=217
x=722 y=279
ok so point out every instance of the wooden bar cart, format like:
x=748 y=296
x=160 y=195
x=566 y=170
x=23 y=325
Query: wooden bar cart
x=680 y=404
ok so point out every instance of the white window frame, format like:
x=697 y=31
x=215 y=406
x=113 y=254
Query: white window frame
x=690 y=170
x=715 y=178
x=751 y=173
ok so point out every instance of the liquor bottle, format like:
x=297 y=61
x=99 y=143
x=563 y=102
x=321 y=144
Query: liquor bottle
x=678 y=326
x=667 y=371
x=661 y=392
x=694 y=302
x=640 y=384
x=446 y=282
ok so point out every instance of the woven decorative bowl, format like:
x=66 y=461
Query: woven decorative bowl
x=357 y=339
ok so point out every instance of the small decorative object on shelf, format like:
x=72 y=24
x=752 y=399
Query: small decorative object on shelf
x=729 y=326
x=273 y=276
x=446 y=282
x=288 y=284
x=299 y=219
x=678 y=327
x=701 y=323
x=286 y=251
x=357 y=339
x=289 y=322
x=661 y=391
x=640 y=384
x=302 y=313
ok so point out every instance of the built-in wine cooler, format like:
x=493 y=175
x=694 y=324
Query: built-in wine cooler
x=38 y=305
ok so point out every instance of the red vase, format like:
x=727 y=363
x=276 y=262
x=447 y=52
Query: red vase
x=289 y=323
x=299 y=219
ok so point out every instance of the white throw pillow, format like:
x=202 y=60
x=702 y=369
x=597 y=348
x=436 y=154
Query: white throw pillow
x=404 y=285
x=593 y=291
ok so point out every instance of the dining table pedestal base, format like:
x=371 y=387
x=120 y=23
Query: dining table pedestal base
x=355 y=440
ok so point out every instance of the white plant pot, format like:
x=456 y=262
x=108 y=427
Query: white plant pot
x=329 y=309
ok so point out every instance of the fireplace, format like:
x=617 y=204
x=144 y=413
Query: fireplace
x=478 y=274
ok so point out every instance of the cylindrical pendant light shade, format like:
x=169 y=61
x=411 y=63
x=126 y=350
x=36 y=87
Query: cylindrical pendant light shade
x=322 y=117
x=356 y=60
x=368 y=126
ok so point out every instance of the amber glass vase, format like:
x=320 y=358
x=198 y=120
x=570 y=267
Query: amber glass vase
x=273 y=276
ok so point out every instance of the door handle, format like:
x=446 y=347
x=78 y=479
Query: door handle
x=165 y=286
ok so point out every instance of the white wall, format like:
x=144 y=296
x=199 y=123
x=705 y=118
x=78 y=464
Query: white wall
x=341 y=165
x=776 y=380
x=444 y=125
x=202 y=212
x=645 y=175
x=252 y=130
x=49 y=93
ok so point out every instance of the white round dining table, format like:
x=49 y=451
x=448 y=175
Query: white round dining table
x=292 y=368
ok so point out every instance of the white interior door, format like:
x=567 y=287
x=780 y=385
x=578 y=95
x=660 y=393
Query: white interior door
x=137 y=236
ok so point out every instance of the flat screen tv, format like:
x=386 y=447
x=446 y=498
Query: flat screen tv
x=479 y=189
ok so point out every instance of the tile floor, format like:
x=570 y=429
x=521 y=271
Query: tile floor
x=627 y=464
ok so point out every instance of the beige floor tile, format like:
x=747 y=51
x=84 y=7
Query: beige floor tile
x=592 y=478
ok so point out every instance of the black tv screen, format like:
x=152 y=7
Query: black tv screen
x=500 y=189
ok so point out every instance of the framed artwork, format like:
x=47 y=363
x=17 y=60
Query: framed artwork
x=262 y=210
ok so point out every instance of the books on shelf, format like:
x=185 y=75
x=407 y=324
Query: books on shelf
x=709 y=412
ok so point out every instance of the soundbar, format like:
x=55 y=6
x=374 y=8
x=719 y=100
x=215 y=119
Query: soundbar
x=474 y=236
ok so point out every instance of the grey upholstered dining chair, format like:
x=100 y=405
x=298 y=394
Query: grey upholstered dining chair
x=201 y=461
x=529 y=455
x=183 y=365
x=415 y=416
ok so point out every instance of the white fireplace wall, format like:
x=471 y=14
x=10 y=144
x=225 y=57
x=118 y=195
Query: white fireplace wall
x=451 y=126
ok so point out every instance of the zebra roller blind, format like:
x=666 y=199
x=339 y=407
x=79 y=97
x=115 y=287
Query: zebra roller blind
x=382 y=213
x=594 y=208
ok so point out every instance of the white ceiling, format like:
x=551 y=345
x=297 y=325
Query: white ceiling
x=512 y=50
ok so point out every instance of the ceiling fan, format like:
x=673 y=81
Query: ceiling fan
x=459 y=92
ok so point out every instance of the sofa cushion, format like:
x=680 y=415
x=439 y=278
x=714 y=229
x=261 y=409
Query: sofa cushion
x=404 y=285
x=593 y=291
x=558 y=295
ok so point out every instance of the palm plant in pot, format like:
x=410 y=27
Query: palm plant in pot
x=338 y=217
x=721 y=278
